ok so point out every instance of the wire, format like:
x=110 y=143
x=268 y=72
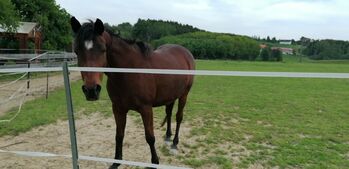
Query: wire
x=18 y=111
x=13 y=95
x=12 y=82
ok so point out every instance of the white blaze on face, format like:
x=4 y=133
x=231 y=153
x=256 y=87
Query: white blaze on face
x=88 y=44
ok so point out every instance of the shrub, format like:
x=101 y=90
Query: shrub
x=207 y=45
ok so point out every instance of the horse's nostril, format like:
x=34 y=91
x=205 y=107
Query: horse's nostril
x=84 y=89
x=98 y=88
x=92 y=93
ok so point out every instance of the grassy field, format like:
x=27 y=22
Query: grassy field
x=243 y=121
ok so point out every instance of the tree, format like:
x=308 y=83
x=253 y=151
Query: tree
x=276 y=55
x=125 y=30
x=148 y=30
x=265 y=54
x=9 y=19
x=54 y=21
x=268 y=39
x=273 y=40
x=327 y=49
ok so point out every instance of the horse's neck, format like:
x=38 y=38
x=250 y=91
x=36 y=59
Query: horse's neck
x=123 y=55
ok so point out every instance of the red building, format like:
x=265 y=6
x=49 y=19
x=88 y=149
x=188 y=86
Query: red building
x=25 y=32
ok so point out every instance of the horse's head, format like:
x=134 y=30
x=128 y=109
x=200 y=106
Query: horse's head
x=90 y=46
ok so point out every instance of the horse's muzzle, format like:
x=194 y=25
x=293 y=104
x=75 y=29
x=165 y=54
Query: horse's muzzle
x=92 y=94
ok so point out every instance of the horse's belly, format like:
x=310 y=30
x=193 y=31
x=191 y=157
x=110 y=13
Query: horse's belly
x=170 y=88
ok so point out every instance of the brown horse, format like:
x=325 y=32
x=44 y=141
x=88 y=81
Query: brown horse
x=96 y=47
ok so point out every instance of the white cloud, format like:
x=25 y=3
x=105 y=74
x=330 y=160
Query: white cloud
x=280 y=18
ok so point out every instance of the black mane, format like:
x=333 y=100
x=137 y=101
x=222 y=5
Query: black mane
x=86 y=32
x=143 y=47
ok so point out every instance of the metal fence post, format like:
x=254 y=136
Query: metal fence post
x=28 y=76
x=47 y=65
x=47 y=85
x=72 y=130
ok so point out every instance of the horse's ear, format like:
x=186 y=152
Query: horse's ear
x=99 y=27
x=75 y=24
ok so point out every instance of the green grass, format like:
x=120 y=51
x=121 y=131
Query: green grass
x=284 y=122
x=305 y=120
x=290 y=64
x=41 y=111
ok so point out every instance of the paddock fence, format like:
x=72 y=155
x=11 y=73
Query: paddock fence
x=76 y=157
x=14 y=58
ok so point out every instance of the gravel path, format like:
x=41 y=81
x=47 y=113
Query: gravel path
x=37 y=89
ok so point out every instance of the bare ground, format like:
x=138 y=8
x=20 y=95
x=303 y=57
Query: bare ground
x=37 y=89
x=95 y=137
x=95 y=134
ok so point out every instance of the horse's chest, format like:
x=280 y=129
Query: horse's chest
x=148 y=89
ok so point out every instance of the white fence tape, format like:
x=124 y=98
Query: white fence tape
x=89 y=158
x=10 y=74
x=14 y=81
x=19 y=90
x=186 y=72
x=18 y=111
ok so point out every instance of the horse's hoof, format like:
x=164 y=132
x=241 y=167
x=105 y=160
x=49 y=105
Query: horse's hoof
x=174 y=147
x=114 y=166
x=167 y=138
x=174 y=150
x=168 y=141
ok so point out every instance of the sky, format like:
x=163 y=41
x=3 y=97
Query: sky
x=283 y=19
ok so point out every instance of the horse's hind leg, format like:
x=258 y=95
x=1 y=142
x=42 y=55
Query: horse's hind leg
x=169 y=108
x=179 y=117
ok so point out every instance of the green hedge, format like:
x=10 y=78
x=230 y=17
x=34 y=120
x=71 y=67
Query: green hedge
x=207 y=45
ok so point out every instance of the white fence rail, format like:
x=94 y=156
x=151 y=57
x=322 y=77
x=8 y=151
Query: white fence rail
x=158 y=71
x=185 y=72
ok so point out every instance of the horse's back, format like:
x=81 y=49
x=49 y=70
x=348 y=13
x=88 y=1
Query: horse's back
x=171 y=56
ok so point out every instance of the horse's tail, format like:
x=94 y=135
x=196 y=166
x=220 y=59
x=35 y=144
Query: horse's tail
x=165 y=119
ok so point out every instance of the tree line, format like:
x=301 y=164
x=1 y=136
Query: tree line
x=208 y=45
x=148 y=29
x=326 y=49
x=203 y=45
x=54 y=22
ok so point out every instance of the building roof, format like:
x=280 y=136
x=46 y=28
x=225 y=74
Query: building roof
x=282 y=49
x=285 y=40
x=262 y=46
x=24 y=27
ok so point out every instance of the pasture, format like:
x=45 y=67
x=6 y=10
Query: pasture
x=237 y=122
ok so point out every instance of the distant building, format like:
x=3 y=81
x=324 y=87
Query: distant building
x=285 y=42
x=262 y=46
x=285 y=51
x=24 y=32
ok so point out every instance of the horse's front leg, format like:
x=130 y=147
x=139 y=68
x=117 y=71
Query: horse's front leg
x=120 y=120
x=147 y=117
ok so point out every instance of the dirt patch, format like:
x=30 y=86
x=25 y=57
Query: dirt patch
x=95 y=135
x=37 y=89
